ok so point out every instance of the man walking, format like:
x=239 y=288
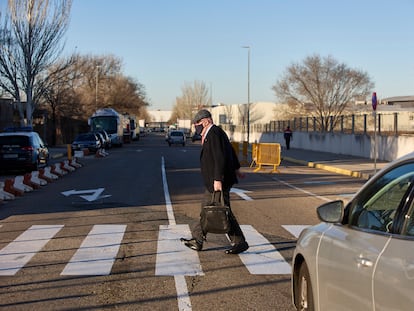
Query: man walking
x=288 y=135
x=219 y=169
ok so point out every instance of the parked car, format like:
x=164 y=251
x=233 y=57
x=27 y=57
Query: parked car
x=176 y=137
x=107 y=140
x=88 y=141
x=101 y=139
x=22 y=149
x=360 y=257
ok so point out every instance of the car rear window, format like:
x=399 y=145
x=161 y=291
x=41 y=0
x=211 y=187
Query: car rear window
x=176 y=134
x=14 y=141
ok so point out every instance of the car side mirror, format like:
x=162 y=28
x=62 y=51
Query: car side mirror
x=332 y=212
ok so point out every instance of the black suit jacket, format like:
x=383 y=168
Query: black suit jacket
x=218 y=161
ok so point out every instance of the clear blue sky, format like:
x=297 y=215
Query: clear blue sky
x=166 y=43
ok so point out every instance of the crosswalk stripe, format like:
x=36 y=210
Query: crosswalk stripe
x=98 y=251
x=295 y=230
x=262 y=257
x=173 y=258
x=16 y=254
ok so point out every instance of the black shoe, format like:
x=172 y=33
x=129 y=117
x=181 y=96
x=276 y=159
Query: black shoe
x=238 y=248
x=193 y=244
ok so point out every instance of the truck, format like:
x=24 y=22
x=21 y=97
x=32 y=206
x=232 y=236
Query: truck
x=111 y=121
x=132 y=128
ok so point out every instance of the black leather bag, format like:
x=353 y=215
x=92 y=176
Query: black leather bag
x=215 y=216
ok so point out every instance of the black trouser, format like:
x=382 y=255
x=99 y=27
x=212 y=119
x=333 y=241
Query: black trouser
x=287 y=143
x=235 y=234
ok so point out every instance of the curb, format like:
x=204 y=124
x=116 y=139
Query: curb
x=329 y=168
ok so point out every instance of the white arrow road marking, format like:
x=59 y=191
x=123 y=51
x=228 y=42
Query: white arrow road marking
x=15 y=255
x=295 y=230
x=262 y=257
x=173 y=257
x=241 y=193
x=94 y=194
x=98 y=251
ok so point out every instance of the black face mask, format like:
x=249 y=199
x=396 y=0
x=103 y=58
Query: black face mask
x=199 y=128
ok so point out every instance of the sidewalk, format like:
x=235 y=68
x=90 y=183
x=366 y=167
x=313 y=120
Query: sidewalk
x=337 y=163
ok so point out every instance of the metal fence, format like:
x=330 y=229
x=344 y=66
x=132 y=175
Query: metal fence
x=386 y=124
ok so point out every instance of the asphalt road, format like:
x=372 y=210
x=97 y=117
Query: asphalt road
x=105 y=237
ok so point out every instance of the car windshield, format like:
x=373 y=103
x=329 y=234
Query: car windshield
x=85 y=137
x=376 y=206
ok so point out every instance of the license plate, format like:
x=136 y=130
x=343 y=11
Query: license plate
x=10 y=156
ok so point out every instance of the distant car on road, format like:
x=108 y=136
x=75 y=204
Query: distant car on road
x=361 y=256
x=88 y=141
x=176 y=137
x=22 y=149
x=195 y=137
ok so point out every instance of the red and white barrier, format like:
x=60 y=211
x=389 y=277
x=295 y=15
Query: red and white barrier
x=37 y=180
x=10 y=188
x=4 y=195
x=46 y=174
x=75 y=163
x=27 y=180
x=100 y=153
x=66 y=166
x=56 y=169
x=19 y=185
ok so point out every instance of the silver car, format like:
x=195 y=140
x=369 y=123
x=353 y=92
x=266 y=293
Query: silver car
x=361 y=256
x=176 y=137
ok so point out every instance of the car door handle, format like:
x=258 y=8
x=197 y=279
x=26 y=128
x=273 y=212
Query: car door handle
x=364 y=262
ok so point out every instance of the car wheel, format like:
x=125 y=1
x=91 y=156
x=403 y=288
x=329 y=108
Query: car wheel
x=304 y=293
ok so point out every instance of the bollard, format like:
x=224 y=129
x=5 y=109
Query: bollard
x=69 y=149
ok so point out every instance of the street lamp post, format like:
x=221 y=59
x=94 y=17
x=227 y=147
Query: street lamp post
x=97 y=84
x=248 y=92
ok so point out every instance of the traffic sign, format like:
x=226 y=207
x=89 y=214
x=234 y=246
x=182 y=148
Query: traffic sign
x=374 y=101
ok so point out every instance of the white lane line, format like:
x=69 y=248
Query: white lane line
x=295 y=230
x=168 y=204
x=97 y=252
x=262 y=257
x=183 y=297
x=15 y=255
x=184 y=302
x=241 y=193
x=302 y=190
x=173 y=258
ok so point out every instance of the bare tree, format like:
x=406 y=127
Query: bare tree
x=72 y=90
x=126 y=94
x=57 y=95
x=194 y=97
x=101 y=84
x=36 y=29
x=322 y=88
